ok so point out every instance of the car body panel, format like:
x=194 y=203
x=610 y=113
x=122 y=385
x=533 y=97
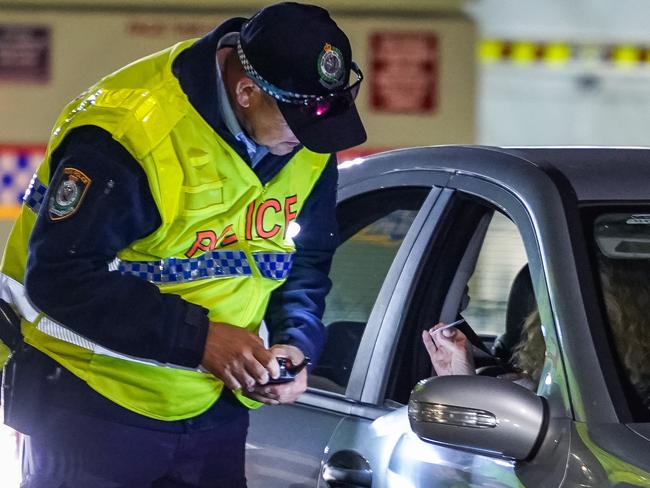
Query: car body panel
x=277 y=456
x=405 y=461
x=607 y=455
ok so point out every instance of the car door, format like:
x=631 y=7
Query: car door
x=380 y=219
x=475 y=249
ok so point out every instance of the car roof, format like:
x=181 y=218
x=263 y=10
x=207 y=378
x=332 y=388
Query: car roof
x=593 y=173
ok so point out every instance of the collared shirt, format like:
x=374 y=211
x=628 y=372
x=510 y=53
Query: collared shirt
x=255 y=151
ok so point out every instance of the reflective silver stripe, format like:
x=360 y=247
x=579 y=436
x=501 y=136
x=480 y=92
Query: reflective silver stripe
x=114 y=264
x=48 y=326
x=54 y=329
x=11 y=291
x=35 y=194
x=14 y=292
x=177 y=270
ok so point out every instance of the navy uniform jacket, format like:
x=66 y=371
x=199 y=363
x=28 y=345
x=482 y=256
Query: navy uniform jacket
x=68 y=278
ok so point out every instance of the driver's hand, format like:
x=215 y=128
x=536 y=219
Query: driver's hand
x=449 y=350
x=275 y=394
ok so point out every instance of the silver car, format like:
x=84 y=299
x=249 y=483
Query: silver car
x=431 y=234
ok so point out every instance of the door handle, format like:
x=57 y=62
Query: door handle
x=356 y=477
x=347 y=469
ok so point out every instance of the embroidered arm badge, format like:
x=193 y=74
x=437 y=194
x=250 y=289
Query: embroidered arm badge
x=66 y=198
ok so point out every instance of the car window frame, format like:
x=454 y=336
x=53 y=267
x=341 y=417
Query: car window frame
x=350 y=403
x=501 y=198
x=445 y=250
x=522 y=215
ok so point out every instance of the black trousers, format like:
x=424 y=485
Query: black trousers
x=72 y=450
x=75 y=438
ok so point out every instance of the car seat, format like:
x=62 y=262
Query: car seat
x=339 y=353
x=521 y=303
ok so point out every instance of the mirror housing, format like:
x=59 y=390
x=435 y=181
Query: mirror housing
x=484 y=415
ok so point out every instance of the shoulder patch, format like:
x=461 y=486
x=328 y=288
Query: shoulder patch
x=67 y=196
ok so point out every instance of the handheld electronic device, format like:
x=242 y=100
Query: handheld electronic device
x=288 y=370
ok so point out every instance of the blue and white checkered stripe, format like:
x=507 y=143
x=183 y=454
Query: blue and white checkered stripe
x=213 y=264
x=17 y=166
x=274 y=265
x=35 y=194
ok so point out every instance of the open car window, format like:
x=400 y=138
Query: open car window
x=372 y=228
x=501 y=258
x=478 y=270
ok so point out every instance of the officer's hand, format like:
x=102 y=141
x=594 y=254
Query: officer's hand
x=275 y=394
x=238 y=357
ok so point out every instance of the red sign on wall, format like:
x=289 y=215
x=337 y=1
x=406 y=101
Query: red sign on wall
x=24 y=53
x=404 y=72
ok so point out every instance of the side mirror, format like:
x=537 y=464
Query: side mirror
x=480 y=414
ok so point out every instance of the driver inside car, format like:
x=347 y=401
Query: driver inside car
x=451 y=352
x=626 y=289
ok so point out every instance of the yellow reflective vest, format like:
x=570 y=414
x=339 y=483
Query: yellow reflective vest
x=223 y=242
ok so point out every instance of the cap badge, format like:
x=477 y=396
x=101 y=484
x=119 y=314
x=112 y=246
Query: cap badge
x=330 y=67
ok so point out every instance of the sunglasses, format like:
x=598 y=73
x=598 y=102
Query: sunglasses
x=334 y=102
x=313 y=105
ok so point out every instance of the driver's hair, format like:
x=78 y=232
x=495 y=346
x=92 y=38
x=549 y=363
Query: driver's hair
x=626 y=292
x=528 y=353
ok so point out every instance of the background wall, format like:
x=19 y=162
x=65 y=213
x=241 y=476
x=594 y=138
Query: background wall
x=558 y=72
x=86 y=45
x=85 y=41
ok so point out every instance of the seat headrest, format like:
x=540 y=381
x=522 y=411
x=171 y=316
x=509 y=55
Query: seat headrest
x=521 y=303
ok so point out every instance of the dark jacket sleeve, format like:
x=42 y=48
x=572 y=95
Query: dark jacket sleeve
x=67 y=274
x=295 y=311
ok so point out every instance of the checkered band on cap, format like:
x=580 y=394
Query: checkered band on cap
x=35 y=194
x=274 y=265
x=213 y=264
x=276 y=92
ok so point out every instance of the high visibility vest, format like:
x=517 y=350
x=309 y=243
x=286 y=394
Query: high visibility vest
x=224 y=243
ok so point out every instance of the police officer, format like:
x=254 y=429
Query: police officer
x=182 y=200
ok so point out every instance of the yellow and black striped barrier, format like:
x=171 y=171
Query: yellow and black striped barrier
x=557 y=53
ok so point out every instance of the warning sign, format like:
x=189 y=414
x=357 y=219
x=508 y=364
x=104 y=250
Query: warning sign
x=24 y=53
x=404 y=71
